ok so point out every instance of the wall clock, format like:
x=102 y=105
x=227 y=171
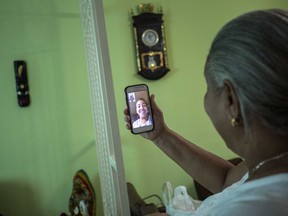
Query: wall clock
x=149 y=40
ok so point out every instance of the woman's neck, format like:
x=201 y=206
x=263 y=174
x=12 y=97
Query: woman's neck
x=266 y=152
x=270 y=166
x=143 y=120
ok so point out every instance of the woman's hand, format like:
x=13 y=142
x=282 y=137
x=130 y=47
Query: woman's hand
x=159 y=124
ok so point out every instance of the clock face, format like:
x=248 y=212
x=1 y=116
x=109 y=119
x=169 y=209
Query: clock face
x=150 y=37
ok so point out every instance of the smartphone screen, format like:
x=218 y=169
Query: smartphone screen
x=139 y=106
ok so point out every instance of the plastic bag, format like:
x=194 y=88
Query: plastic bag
x=181 y=204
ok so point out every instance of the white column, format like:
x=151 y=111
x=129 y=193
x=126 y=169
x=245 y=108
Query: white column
x=107 y=136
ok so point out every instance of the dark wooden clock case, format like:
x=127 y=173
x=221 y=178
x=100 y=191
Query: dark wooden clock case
x=155 y=54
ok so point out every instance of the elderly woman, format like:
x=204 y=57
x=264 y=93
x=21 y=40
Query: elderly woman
x=247 y=101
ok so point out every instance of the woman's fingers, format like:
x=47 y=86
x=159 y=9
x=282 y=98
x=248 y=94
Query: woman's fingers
x=127 y=119
x=126 y=111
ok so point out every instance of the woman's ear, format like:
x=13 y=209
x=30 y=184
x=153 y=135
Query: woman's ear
x=232 y=100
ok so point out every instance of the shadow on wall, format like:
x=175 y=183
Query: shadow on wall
x=18 y=198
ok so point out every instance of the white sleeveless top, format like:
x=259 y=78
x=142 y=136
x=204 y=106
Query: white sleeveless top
x=260 y=197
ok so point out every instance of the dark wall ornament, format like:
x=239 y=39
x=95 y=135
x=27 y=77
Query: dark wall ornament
x=22 y=86
x=150 y=45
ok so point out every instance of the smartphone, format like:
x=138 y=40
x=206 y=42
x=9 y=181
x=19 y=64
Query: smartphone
x=139 y=107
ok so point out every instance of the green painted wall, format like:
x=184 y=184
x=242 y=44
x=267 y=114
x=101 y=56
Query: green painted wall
x=43 y=145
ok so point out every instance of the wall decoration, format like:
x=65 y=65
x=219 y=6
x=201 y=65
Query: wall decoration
x=149 y=39
x=22 y=87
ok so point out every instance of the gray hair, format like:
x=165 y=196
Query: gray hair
x=251 y=52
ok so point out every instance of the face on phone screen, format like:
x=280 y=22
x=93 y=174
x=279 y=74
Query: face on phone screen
x=138 y=102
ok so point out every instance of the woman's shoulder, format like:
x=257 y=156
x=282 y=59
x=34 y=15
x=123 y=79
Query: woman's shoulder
x=274 y=181
x=264 y=196
x=236 y=173
x=268 y=189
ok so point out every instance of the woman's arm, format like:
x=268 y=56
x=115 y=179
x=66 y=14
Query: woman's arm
x=211 y=171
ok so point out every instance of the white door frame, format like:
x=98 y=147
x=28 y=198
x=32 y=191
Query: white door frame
x=107 y=136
